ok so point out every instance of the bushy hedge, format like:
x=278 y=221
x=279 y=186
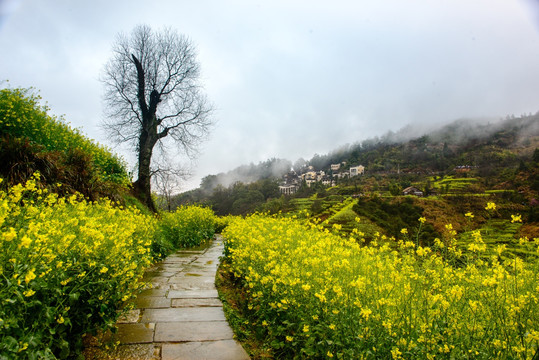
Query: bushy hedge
x=21 y=116
x=189 y=226
x=66 y=266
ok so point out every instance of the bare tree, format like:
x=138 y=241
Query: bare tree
x=166 y=180
x=152 y=95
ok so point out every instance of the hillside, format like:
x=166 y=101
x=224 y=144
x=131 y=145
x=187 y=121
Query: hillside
x=493 y=150
x=32 y=140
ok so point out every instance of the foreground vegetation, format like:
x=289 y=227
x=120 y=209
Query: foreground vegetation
x=309 y=292
x=68 y=266
x=65 y=266
x=52 y=145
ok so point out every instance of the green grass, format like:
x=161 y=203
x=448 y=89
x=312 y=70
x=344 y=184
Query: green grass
x=453 y=185
x=496 y=232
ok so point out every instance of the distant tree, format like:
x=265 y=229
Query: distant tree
x=299 y=164
x=394 y=189
x=167 y=183
x=152 y=93
x=209 y=182
x=536 y=155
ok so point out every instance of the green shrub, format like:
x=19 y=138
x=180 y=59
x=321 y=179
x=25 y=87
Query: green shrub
x=66 y=267
x=21 y=116
x=188 y=226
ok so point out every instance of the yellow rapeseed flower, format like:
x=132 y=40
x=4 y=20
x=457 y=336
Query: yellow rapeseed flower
x=366 y=312
x=10 y=234
x=25 y=242
x=30 y=275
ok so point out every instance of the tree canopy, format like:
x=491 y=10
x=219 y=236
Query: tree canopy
x=153 y=96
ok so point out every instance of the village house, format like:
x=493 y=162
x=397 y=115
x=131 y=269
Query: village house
x=328 y=181
x=288 y=189
x=357 y=170
x=411 y=190
x=292 y=180
x=341 y=175
x=463 y=168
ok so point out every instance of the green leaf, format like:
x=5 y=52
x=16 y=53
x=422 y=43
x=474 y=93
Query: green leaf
x=64 y=349
x=73 y=298
x=9 y=343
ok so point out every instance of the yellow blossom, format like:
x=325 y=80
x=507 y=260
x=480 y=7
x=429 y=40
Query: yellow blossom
x=30 y=275
x=490 y=206
x=516 y=218
x=366 y=312
x=10 y=234
x=25 y=242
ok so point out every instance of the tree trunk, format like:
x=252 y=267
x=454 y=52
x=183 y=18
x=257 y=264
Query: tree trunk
x=147 y=139
x=142 y=187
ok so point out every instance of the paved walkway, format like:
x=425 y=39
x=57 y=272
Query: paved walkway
x=181 y=317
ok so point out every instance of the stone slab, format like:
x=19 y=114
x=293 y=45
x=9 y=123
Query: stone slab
x=171 y=267
x=158 y=285
x=183 y=314
x=193 y=331
x=197 y=273
x=152 y=302
x=135 y=333
x=208 y=350
x=154 y=292
x=131 y=316
x=196 y=302
x=158 y=279
x=124 y=352
x=183 y=294
x=192 y=283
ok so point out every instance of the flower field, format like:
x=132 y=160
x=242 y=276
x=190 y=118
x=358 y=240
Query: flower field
x=188 y=226
x=311 y=293
x=66 y=266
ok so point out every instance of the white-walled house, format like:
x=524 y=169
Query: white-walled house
x=288 y=189
x=357 y=170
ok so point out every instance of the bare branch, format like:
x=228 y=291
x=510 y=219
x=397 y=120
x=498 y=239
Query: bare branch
x=153 y=96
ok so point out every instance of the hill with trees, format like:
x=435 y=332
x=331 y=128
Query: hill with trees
x=458 y=168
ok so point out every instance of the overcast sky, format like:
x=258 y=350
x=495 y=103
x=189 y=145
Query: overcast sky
x=291 y=78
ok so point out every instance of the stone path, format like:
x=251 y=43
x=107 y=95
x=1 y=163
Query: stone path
x=181 y=317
